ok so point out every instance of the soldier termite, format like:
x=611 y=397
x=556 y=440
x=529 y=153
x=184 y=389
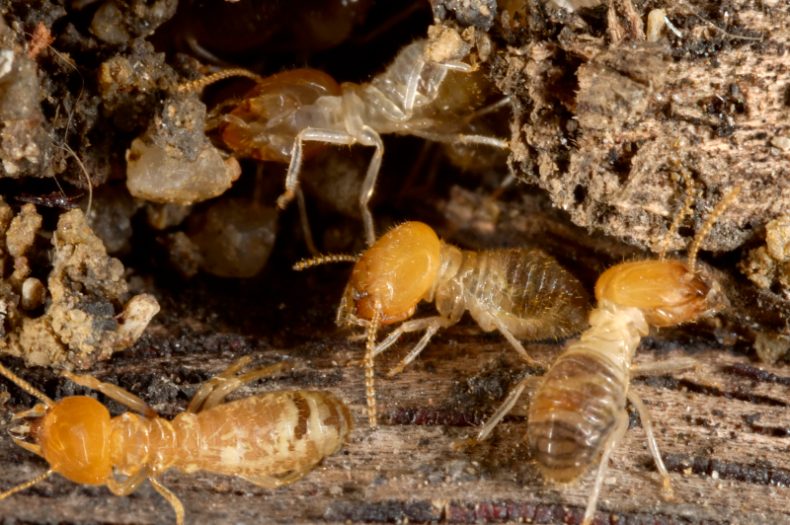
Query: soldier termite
x=417 y=94
x=270 y=439
x=522 y=293
x=578 y=414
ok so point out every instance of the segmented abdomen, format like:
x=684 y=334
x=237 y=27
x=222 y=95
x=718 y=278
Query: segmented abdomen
x=268 y=439
x=527 y=290
x=572 y=414
x=576 y=408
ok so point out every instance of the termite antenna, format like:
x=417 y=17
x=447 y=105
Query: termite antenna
x=26 y=484
x=490 y=108
x=705 y=229
x=305 y=220
x=720 y=29
x=324 y=259
x=64 y=146
x=680 y=216
x=201 y=83
x=26 y=387
x=84 y=171
x=370 y=347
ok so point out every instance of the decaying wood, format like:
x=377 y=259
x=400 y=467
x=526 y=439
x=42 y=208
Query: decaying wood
x=604 y=127
x=715 y=104
x=723 y=429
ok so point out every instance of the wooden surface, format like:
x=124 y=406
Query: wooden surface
x=724 y=431
x=723 y=428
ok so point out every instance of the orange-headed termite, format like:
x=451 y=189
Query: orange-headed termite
x=523 y=293
x=270 y=439
x=578 y=414
x=416 y=95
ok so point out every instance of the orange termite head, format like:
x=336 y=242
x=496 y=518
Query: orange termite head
x=393 y=275
x=262 y=125
x=665 y=290
x=74 y=436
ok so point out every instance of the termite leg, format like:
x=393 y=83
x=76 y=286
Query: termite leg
x=171 y=498
x=515 y=343
x=647 y=424
x=114 y=392
x=307 y=232
x=328 y=136
x=412 y=83
x=490 y=108
x=430 y=324
x=461 y=138
x=228 y=386
x=457 y=65
x=208 y=386
x=416 y=75
x=371 y=138
x=505 y=408
x=214 y=391
x=664 y=367
x=273 y=482
x=592 y=502
x=127 y=486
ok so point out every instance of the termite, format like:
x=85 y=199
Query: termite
x=270 y=439
x=523 y=293
x=284 y=113
x=578 y=413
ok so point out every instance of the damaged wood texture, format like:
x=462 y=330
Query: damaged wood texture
x=723 y=427
x=604 y=130
x=605 y=127
x=724 y=430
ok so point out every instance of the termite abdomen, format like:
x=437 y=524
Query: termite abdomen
x=526 y=289
x=268 y=439
x=571 y=416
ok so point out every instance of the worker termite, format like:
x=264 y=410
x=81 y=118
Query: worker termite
x=270 y=439
x=418 y=94
x=578 y=414
x=522 y=293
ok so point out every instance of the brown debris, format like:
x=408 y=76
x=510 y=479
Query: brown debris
x=40 y=40
x=602 y=121
x=601 y=137
x=118 y=21
x=85 y=316
x=24 y=145
x=769 y=266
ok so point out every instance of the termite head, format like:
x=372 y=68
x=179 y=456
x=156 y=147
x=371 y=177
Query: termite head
x=669 y=292
x=73 y=435
x=263 y=126
x=666 y=291
x=393 y=275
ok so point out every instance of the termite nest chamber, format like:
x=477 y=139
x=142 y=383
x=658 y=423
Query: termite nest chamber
x=176 y=189
x=594 y=108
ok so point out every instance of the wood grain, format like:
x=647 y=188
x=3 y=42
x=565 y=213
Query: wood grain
x=724 y=430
